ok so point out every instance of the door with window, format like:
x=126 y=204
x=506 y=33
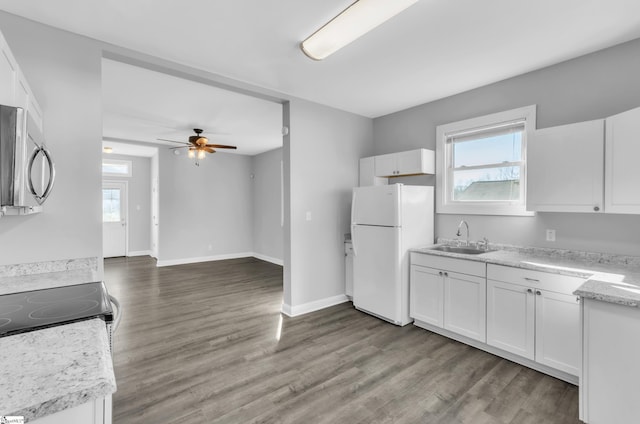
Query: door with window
x=114 y=218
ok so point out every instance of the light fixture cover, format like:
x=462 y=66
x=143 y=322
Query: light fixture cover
x=107 y=149
x=355 y=21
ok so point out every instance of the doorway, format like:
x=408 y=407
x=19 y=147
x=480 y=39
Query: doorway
x=114 y=218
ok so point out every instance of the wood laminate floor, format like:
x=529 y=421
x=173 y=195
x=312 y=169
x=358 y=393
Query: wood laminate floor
x=206 y=343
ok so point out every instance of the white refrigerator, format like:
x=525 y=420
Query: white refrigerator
x=387 y=221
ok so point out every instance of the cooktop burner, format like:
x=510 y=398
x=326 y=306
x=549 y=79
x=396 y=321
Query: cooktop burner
x=27 y=311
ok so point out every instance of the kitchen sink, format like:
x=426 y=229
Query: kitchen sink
x=458 y=249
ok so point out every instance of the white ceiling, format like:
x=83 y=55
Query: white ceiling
x=434 y=49
x=143 y=105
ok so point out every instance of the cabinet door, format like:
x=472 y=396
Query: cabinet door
x=368 y=173
x=565 y=169
x=465 y=305
x=426 y=296
x=385 y=165
x=558 y=341
x=510 y=318
x=92 y=412
x=348 y=269
x=409 y=163
x=8 y=74
x=622 y=172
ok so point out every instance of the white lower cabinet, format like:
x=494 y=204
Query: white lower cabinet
x=609 y=388
x=464 y=305
x=448 y=299
x=427 y=295
x=97 y=411
x=511 y=318
x=558 y=332
x=533 y=314
x=527 y=316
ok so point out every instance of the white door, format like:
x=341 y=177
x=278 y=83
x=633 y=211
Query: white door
x=558 y=178
x=426 y=296
x=621 y=168
x=511 y=318
x=114 y=218
x=465 y=305
x=558 y=341
x=376 y=205
x=376 y=271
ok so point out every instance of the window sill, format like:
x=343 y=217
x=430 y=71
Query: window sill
x=484 y=209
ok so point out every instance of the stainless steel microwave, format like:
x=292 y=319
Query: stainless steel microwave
x=27 y=171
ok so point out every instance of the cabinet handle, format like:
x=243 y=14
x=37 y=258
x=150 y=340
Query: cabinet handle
x=440 y=273
x=446 y=274
x=578 y=299
x=531 y=279
x=538 y=292
x=529 y=291
x=596 y=208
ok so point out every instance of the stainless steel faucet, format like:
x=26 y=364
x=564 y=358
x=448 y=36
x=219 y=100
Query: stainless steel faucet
x=460 y=226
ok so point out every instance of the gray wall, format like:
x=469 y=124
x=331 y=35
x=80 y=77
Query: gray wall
x=268 y=236
x=64 y=72
x=139 y=201
x=204 y=210
x=593 y=86
x=324 y=146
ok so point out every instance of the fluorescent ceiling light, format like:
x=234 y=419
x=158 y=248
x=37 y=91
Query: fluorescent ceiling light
x=355 y=21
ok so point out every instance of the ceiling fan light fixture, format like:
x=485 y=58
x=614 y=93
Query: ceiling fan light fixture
x=352 y=23
x=191 y=153
x=201 y=154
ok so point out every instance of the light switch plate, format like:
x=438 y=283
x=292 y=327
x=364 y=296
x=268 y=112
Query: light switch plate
x=551 y=235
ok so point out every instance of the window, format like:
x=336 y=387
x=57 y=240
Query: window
x=481 y=164
x=116 y=168
x=111 y=205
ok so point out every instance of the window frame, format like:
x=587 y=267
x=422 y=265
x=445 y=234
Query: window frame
x=444 y=165
x=118 y=162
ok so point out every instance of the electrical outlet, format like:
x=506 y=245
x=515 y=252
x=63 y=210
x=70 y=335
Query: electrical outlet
x=551 y=235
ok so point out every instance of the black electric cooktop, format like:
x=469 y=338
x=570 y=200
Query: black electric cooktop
x=34 y=310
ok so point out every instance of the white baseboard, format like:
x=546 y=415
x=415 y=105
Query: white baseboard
x=268 y=259
x=140 y=253
x=316 y=305
x=184 y=261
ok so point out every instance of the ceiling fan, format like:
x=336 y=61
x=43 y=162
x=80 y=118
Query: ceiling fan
x=198 y=145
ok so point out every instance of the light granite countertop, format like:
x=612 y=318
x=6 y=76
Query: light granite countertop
x=49 y=370
x=20 y=283
x=46 y=371
x=610 y=278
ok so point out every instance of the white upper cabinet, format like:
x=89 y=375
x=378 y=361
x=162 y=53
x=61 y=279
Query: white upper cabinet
x=622 y=169
x=8 y=74
x=412 y=162
x=368 y=174
x=565 y=168
x=14 y=88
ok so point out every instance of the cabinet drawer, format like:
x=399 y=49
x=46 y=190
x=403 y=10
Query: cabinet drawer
x=536 y=279
x=449 y=264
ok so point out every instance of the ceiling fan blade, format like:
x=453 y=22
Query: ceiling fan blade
x=208 y=149
x=172 y=141
x=220 y=146
x=179 y=147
